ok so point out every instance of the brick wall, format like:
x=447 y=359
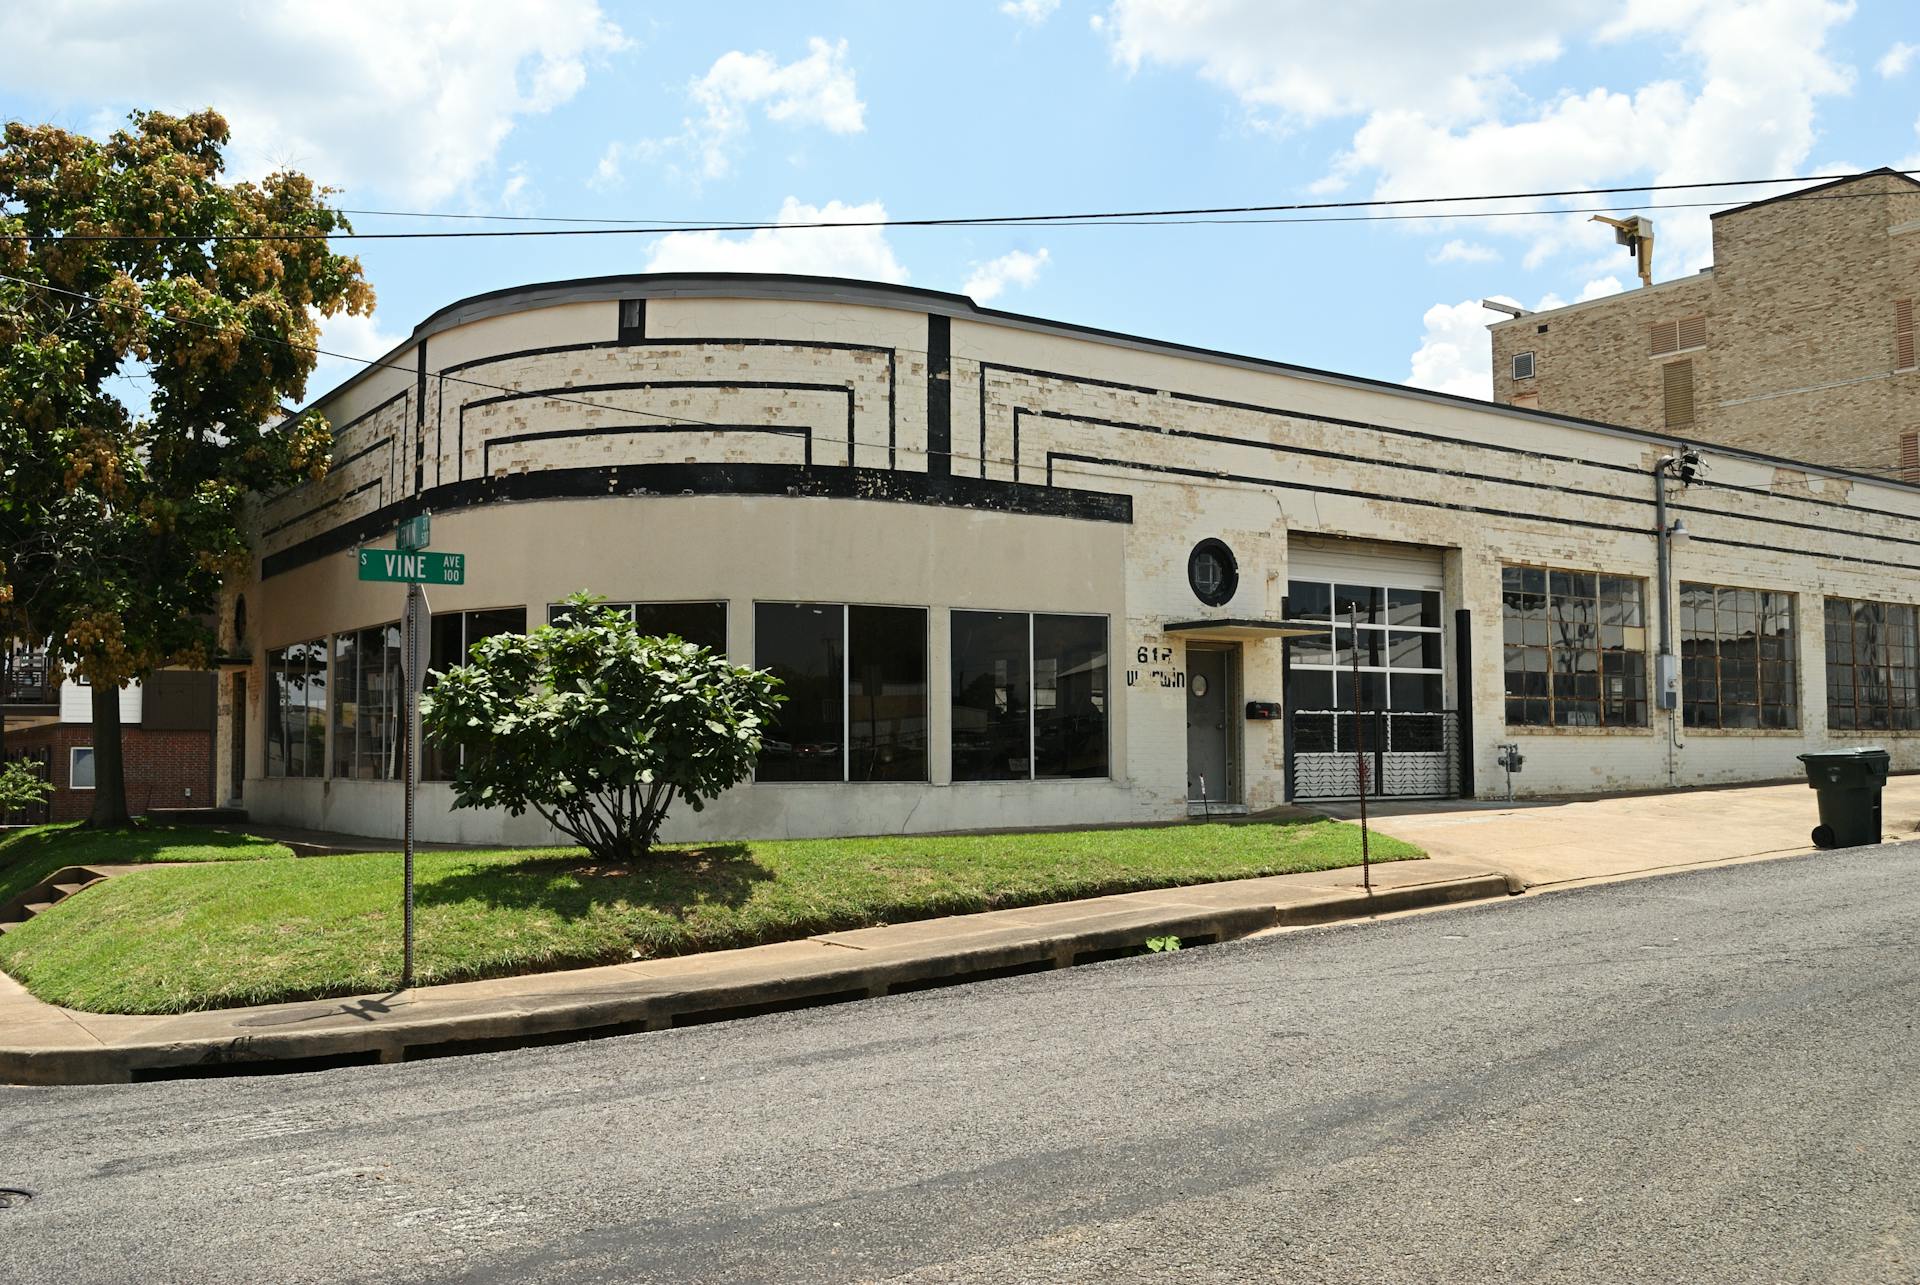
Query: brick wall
x=163 y=769
x=1799 y=357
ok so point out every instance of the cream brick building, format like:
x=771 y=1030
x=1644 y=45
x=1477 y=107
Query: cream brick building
x=1018 y=572
x=1799 y=340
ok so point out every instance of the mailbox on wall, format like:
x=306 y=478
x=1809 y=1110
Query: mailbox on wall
x=1263 y=710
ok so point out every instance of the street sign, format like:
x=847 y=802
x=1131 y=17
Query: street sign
x=415 y=534
x=403 y=567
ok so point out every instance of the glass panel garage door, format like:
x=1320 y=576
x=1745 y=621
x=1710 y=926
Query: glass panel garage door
x=1383 y=730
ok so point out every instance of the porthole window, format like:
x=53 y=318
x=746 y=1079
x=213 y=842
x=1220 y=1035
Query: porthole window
x=1212 y=572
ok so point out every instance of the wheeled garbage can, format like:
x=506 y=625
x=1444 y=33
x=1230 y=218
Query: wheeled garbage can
x=1848 y=782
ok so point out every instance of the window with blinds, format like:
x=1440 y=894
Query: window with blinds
x=1903 y=354
x=1676 y=393
x=1678 y=335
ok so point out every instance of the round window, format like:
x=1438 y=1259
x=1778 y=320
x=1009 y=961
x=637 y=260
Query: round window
x=1212 y=572
x=1199 y=686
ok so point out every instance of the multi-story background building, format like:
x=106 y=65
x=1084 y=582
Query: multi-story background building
x=1799 y=341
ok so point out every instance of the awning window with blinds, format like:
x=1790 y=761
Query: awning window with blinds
x=1903 y=353
x=1678 y=335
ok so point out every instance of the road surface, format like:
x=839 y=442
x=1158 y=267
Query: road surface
x=1705 y=1077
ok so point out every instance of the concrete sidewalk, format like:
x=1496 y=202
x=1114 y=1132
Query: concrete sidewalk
x=1560 y=842
x=42 y=1044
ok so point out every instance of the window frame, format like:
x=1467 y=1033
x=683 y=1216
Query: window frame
x=1033 y=687
x=429 y=765
x=1790 y=660
x=278 y=689
x=846 y=687
x=1885 y=673
x=1640 y=699
x=1533 y=365
x=73 y=755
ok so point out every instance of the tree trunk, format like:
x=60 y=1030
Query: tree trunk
x=109 y=780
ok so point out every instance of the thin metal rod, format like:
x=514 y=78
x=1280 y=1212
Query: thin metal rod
x=409 y=765
x=1359 y=748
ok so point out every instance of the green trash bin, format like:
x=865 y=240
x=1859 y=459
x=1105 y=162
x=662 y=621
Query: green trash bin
x=1848 y=782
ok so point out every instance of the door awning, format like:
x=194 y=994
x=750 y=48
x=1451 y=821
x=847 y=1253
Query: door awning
x=1242 y=628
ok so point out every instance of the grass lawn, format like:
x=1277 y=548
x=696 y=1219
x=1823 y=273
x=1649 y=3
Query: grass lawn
x=28 y=856
x=163 y=941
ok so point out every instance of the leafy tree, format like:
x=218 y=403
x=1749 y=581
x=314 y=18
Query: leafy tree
x=597 y=727
x=129 y=258
x=21 y=786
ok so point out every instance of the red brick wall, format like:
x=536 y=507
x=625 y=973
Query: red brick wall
x=161 y=767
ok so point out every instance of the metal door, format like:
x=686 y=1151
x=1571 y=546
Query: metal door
x=1209 y=767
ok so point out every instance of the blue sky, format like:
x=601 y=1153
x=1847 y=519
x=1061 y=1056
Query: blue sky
x=758 y=112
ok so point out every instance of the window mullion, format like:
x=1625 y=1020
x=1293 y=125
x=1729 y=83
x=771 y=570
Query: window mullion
x=846 y=692
x=1033 y=679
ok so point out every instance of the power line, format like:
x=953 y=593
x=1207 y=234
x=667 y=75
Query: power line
x=1241 y=214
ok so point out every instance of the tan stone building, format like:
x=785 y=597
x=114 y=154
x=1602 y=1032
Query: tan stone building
x=1797 y=342
x=1018 y=572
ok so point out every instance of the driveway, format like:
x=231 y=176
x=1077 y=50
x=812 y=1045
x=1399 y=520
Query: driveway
x=1560 y=841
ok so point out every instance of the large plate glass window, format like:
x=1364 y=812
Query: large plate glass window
x=703 y=624
x=1575 y=646
x=1029 y=696
x=855 y=679
x=1873 y=666
x=451 y=643
x=1737 y=658
x=296 y=709
x=367 y=705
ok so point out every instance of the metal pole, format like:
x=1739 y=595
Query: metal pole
x=410 y=769
x=1359 y=749
x=1665 y=663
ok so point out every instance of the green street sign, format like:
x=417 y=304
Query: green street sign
x=415 y=534
x=413 y=568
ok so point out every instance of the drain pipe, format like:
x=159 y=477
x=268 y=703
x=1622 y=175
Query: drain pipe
x=1666 y=666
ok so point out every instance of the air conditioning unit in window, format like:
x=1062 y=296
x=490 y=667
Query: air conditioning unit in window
x=1523 y=365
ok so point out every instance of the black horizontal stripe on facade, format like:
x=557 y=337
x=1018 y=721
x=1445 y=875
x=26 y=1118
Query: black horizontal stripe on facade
x=1443 y=439
x=804 y=433
x=831 y=345
x=333 y=470
x=631 y=384
x=1215 y=475
x=783 y=480
x=339 y=433
x=318 y=509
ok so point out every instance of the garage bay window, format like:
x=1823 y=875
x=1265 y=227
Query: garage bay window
x=855 y=682
x=296 y=709
x=703 y=624
x=1575 y=645
x=1873 y=666
x=1737 y=658
x=1029 y=696
x=367 y=704
x=452 y=637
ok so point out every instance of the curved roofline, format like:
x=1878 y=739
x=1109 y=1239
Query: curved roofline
x=882 y=294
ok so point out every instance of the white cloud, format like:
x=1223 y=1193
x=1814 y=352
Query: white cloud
x=1458 y=251
x=409 y=100
x=1441 y=115
x=1455 y=353
x=1031 y=12
x=1015 y=268
x=1311 y=61
x=1896 y=60
x=354 y=337
x=815 y=90
x=831 y=252
x=1599 y=289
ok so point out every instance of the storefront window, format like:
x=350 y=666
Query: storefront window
x=453 y=635
x=297 y=710
x=703 y=624
x=368 y=716
x=1029 y=696
x=1737 y=658
x=855 y=679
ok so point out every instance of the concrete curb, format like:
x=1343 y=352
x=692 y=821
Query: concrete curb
x=65 y=1047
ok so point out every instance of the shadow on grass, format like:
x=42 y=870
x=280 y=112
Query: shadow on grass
x=669 y=883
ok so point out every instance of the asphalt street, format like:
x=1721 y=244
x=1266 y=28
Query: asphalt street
x=1703 y=1077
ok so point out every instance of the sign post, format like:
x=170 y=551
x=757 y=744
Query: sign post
x=409 y=564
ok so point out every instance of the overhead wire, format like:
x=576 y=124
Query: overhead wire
x=1286 y=212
